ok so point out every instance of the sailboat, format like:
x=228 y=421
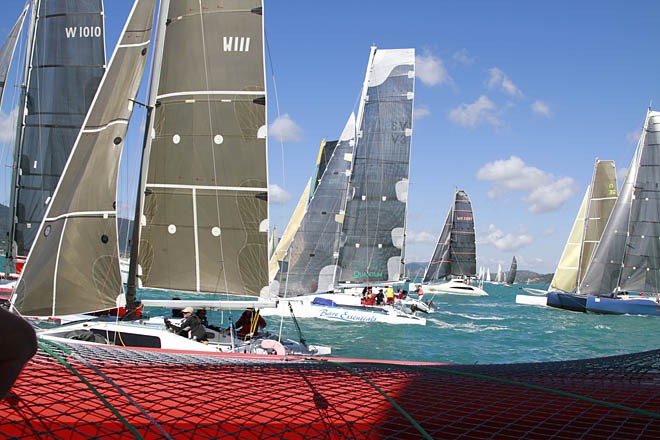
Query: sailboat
x=352 y=232
x=511 y=274
x=202 y=206
x=63 y=65
x=623 y=276
x=595 y=209
x=454 y=262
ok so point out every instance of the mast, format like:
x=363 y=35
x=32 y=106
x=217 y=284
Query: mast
x=159 y=41
x=18 y=141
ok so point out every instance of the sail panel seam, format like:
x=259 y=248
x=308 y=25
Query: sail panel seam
x=206 y=187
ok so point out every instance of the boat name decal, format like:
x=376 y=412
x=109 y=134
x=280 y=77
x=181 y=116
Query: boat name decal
x=235 y=44
x=345 y=315
x=83 y=31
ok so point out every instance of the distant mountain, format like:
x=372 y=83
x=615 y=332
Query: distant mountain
x=4 y=227
x=416 y=269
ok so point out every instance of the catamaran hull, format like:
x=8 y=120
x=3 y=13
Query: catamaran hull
x=454 y=288
x=621 y=306
x=152 y=334
x=305 y=307
x=532 y=300
x=567 y=301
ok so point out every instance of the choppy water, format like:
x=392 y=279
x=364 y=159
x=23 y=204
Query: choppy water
x=485 y=330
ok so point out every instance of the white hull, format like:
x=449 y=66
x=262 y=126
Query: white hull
x=530 y=300
x=347 y=308
x=152 y=333
x=454 y=287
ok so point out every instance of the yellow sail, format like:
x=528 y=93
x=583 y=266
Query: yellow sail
x=565 y=278
x=289 y=232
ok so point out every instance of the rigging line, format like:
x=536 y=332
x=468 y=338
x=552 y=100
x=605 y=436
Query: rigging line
x=215 y=170
x=43 y=344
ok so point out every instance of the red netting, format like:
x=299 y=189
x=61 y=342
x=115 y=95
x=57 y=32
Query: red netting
x=104 y=392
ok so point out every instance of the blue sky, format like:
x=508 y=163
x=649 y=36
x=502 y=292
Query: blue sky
x=514 y=101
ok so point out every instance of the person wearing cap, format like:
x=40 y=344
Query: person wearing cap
x=250 y=323
x=191 y=327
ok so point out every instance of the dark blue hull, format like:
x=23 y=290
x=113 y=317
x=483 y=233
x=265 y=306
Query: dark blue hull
x=616 y=306
x=567 y=301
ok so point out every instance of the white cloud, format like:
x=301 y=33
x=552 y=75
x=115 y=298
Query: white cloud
x=548 y=232
x=545 y=191
x=621 y=174
x=633 y=137
x=277 y=194
x=498 y=79
x=430 y=70
x=285 y=129
x=420 y=237
x=551 y=197
x=462 y=57
x=541 y=108
x=421 y=112
x=8 y=126
x=483 y=110
x=509 y=241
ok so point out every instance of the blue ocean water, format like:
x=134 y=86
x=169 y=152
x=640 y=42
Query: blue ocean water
x=484 y=330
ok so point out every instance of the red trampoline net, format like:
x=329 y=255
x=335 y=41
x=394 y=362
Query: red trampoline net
x=84 y=391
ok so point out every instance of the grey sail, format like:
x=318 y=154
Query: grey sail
x=66 y=64
x=73 y=266
x=8 y=49
x=205 y=213
x=513 y=271
x=455 y=251
x=439 y=266
x=640 y=271
x=311 y=262
x=625 y=245
x=325 y=153
x=373 y=236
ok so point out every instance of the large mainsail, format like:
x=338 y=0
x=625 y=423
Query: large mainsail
x=73 y=266
x=64 y=68
x=205 y=217
x=311 y=262
x=7 y=50
x=628 y=255
x=455 y=251
x=373 y=236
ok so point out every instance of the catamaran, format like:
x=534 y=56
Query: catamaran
x=202 y=201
